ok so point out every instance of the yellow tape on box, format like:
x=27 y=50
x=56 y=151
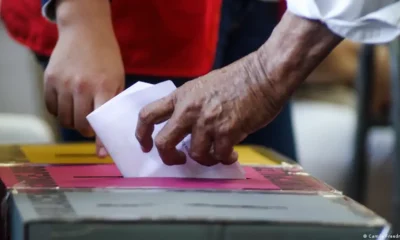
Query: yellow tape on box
x=84 y=153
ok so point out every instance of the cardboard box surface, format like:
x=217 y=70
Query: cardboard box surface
x=65 y=192
x=157 y=214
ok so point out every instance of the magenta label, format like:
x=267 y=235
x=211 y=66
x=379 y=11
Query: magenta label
x=108 y=176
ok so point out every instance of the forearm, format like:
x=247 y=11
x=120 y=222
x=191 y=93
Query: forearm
x=293 y=51
x=87 y=15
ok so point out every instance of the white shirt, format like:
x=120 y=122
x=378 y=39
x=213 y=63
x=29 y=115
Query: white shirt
x=366 y=21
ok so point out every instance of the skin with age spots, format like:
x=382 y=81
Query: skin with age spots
x=223 y=107
x=210 y=118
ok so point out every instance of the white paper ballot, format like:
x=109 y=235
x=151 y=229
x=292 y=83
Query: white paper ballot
x=115 y=124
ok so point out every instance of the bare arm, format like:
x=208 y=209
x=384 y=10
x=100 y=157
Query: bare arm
x=296 y=47
x=85 y=69
x=221 y=108
x=89 y=15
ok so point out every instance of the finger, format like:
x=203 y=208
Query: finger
x=234 y=157
x=200 y=147
x=100 y=149
x=154 y=113
x=65 y=109
x=99 y=100
x=170 y=135
x=223 y=151
x=83 y=105
x=51 y=100
x=242 y=137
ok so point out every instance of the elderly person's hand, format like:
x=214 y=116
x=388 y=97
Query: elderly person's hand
x=221 y=108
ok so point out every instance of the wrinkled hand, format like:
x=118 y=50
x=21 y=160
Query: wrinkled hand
x=219 y=109
x=85 y=71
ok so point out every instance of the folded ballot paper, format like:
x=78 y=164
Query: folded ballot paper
x=115 y=124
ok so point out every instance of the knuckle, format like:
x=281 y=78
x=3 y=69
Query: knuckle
x=107 y=83
x=144 y=115
x=195 y=155
x=207 y=128
x=50 y=77
x=139 y=137
x=191 y=107
x=143 y=139
x=103 y=78
x=209 y=118
x=82 y=86
x=223 y=131
x=161 y=143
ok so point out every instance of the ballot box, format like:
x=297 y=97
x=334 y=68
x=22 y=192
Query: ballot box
x=94 y=202
x=86 y=214
x=66 y=192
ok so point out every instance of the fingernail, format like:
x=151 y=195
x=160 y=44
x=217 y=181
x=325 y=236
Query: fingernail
x=102 y=152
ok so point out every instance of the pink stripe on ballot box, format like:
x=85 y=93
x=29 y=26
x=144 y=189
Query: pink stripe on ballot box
x=108 y=176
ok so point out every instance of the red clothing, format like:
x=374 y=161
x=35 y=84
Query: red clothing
x=282 y=7
x=175 y=38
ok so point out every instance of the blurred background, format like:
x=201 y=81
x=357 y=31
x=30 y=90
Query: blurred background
x=324 y=115
x=21 y=94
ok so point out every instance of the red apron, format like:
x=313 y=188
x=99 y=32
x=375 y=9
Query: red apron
x=175 y=38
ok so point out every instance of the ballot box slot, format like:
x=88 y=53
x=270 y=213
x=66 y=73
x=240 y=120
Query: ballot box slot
x=91 y=177
x=74 y=155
